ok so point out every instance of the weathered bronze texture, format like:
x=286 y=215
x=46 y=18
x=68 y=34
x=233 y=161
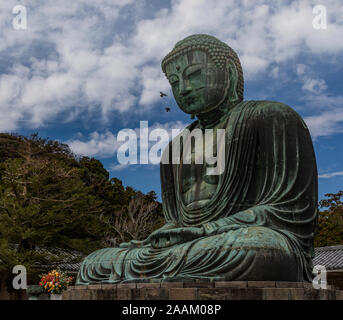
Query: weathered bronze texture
x=254 y=221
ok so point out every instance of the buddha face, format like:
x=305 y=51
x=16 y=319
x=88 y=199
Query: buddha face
x=198 y=84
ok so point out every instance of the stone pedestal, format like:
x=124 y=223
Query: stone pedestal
x=228 y=290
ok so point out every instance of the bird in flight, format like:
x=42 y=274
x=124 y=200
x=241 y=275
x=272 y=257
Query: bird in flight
x=162 y=94
x=167 y=109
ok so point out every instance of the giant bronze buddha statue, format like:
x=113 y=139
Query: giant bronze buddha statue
x=255 y=220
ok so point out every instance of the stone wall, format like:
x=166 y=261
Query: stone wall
x=233 y=290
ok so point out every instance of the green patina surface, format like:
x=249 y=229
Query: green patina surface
x=254 y=221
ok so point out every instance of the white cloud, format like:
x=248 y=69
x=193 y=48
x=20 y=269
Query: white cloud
x=80 y=57
x=300 y=69
x=169 y=126
x=153 y=81
x=311 y=84
x=119 y=167
x=331 y=175
x=99 y=144
x=326 y=112
x=325 y=123
x=315 y=85
x=105 y=145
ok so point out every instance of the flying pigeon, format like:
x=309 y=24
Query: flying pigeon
x=162 y=94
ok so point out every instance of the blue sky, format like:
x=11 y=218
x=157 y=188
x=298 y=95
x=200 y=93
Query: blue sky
x=83 y=70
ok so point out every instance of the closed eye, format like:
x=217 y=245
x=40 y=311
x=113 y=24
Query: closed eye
x=194 y=73
x=173 y=79
x=193 y=70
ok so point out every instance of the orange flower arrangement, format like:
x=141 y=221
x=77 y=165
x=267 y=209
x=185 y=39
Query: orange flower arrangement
x=55 y=282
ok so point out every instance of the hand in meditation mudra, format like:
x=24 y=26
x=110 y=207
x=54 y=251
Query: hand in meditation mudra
x=255 y=219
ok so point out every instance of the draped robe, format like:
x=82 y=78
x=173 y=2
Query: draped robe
x=259 y=223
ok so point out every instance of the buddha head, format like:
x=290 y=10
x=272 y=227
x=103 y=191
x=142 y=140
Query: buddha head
x=204 y=73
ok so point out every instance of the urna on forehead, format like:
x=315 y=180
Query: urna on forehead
x=186 y=59
x=216 y=49
x=219 y=52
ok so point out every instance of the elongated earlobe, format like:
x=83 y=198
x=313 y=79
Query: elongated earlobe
x=233 y=78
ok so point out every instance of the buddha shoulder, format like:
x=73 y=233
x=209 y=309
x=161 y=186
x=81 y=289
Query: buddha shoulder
x=265 y=109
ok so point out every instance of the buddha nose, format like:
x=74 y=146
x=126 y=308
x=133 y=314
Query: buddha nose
x=185 y=90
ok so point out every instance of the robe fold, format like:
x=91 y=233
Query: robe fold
x=259 y=223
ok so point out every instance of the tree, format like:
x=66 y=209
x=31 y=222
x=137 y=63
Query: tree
x=134 y=222
x=50 y=199
x=43 y=203
x=330 y=221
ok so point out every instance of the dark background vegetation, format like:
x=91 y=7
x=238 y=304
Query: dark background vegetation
x=54 y=204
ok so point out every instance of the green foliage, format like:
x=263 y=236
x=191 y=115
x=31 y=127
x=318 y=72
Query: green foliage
x=51 y=199
x=330 y=221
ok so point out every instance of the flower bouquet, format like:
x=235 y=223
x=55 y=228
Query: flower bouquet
x=55 y=282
